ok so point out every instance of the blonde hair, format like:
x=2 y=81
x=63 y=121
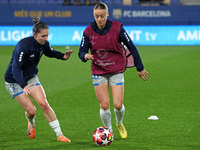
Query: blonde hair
x=101 y=5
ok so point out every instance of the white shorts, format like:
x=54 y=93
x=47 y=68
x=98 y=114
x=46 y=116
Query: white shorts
x=14 y=89
x=113 y=79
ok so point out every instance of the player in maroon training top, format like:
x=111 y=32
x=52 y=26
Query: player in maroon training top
x=104 y=38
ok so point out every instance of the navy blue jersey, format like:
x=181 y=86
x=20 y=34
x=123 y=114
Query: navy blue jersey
x=123 y=37
x=25 y=58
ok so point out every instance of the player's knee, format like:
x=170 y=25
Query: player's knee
x=44 y=105
x=118 y=106
x=104 y=106
x=31 y=111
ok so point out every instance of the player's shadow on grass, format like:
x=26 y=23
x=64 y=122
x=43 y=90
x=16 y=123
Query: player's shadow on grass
x=72 y=145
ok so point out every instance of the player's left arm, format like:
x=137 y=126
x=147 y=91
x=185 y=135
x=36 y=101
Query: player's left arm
x=67 y=54
x=50 y=52
x=143 y=74
x=124 y=37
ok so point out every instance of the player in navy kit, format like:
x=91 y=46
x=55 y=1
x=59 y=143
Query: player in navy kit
x=21 y=77
x=104 y=38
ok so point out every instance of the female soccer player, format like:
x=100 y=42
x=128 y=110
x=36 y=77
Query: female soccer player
x=104 y=38
x=21 y=77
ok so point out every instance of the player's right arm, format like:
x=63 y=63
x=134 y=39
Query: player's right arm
x=19 y=56
x=84 y=48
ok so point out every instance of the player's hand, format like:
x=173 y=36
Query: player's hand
x=143 y=74
x=89 y=57
x=67 y=54
x=27 y=89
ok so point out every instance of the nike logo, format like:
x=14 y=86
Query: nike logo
x=32 y=55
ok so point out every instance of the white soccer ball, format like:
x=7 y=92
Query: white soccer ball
x=102 y=136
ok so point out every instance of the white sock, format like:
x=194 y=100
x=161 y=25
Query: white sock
x=106 y=118
x=56 y=127
x=119 y=115
x=32 y=121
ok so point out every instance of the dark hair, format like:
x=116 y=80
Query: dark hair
x=101 y=5
x=39 y=25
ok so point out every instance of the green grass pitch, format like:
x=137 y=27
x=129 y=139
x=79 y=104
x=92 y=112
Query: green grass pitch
x=172 y=94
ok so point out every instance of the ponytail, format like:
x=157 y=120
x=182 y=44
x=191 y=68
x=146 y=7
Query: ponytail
x=38 y=25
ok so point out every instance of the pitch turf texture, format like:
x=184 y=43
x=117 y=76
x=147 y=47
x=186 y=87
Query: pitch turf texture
x=172 y=94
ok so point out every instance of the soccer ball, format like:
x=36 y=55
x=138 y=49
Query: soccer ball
x=102 y=136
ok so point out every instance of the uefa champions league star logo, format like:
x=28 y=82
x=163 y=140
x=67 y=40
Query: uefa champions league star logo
x=102 y=53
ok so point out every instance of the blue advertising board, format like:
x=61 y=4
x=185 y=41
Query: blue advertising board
x=141 y=35
x=57 y=15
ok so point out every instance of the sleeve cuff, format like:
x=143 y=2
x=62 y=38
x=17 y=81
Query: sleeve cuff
x=23 y=85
